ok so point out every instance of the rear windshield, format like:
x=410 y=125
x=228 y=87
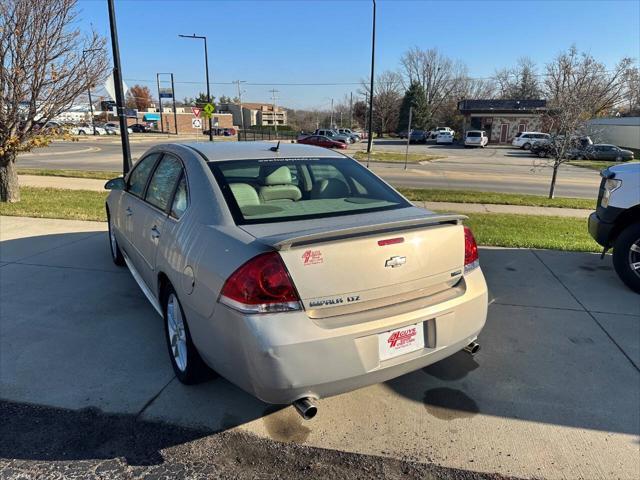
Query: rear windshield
x=266 y=191
x=474 y=134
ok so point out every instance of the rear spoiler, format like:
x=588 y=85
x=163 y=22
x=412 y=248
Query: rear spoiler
x=306 y=237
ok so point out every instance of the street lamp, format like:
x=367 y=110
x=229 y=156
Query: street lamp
x=206 y=67
x=84 y=52
x=373 y=52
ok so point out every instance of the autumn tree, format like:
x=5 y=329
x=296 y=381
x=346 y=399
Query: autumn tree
x=520 y=82
x=42 y=72
x=139 y=97
x=386 y=101
x=578 y=88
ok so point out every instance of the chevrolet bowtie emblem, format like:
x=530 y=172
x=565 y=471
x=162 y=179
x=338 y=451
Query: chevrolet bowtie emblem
x=396 y=261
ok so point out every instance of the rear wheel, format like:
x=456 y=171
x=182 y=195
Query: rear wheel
x=185 y=359
x=526 y=146
x=626 y=256
x=618 y=159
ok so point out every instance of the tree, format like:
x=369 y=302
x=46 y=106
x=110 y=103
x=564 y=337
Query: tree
x=139 y=97
x=632 y=92
x=520 y=82
x=201 y=100
x=386 y=101
x=414 y=98
x=578 y=88
x=438 y=75
x=42 y=73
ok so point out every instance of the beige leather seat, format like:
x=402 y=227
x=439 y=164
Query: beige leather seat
x=244 y=194
x=329 y=188
x=278 y=186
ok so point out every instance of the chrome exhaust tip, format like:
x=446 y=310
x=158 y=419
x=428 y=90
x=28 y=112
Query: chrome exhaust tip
x=472 y=348
x=306 y=408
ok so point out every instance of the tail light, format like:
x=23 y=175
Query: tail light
x=261 y=285
x=470 y=251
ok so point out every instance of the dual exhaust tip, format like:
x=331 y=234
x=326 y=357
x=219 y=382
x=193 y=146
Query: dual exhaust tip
x=308 y=409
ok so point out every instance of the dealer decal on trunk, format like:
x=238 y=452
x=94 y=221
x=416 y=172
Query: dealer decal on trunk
x=312 y=257
x=399 y=338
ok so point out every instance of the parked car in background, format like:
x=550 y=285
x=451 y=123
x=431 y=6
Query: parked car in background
x=139 y=128
x=525 y=139
x=434 y=133
x=403 y=133
x=113 y=128
x=445 y=138
x=322 y=141
x=334 y=135
x=86 y=129
x=475 y=138
x=347 y=131
x=418 y=136
x=602 y=151
x=265 y=262
x=616 y=221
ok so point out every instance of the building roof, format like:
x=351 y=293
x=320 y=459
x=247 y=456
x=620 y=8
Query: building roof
x=219 y=151
x=504 y=106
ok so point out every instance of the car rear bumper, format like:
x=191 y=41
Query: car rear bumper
x=280 y=358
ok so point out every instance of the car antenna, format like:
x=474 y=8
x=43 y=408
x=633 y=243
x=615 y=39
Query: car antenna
x=275 y=149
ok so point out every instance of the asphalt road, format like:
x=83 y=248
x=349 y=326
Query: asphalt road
x=491 y=169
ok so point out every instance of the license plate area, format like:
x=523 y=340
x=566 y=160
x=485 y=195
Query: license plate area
x=401 y=341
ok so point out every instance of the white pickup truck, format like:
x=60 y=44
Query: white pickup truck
x=616 y=221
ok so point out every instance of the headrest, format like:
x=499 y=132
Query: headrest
x=244 y=194
x=280 y=176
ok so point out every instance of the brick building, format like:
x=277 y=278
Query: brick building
x=184 y=118
x=260 y=114
x=502 y=119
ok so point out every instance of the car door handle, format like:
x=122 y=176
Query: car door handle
x=128 y=212
x=155 y=233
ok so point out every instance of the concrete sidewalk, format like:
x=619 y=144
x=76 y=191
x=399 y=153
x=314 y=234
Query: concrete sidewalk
x=553 y=394
x=98 y=185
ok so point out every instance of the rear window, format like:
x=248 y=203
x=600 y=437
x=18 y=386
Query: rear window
x=270 y=191
x=474 y=134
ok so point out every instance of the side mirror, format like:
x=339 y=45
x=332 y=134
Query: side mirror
x=115 y=184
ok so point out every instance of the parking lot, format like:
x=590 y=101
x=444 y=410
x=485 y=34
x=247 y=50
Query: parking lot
x=553 y=393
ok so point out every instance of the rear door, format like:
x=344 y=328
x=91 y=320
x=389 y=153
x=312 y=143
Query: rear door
x=149 y=224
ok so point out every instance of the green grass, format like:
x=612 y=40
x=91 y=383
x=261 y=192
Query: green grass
x=97 y=174
x=465 y=196
x=503 y=230
x=593 y=164
x=532 y=231
x=57 y=203
x=396 y=157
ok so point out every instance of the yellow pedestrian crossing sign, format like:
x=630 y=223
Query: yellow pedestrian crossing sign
x=207 y=110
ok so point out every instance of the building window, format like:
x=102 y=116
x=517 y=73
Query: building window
x=522 y=127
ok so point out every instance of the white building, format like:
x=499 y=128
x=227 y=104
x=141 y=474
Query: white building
x=75 y=114
x=621 y=131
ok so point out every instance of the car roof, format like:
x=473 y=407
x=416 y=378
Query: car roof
x=220 y=151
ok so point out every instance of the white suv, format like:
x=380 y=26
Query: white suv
x=526 y=139
x=616 y=221
x=475 y=138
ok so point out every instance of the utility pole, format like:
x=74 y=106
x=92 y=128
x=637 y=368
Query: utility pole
x=373 y=53
x=331 y=121
x=93 y=124
x=173 y=97
x=238 y=82
x=274 y=98
x=206 y=68
x=117 y=80
x=160 y=102
x=351 y=111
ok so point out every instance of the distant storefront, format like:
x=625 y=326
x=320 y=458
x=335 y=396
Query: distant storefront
x=503 y=119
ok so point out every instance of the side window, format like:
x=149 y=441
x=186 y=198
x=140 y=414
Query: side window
x=181 y=199
x=138 y=178
x=163 y=182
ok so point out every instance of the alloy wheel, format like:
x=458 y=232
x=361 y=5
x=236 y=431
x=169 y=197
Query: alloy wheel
x=177 y=334
x=634 y=257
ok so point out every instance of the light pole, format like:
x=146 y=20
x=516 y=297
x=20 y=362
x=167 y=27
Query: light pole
x=238 y=82
x=117 y=80
x=93 y=124
x=373 y=53
x=206 y=67
x=331 y=117
x=275 y=120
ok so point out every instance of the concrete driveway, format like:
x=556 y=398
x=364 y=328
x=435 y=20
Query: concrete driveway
x=554 y=393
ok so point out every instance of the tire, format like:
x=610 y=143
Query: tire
x=541 y=154
x=116 y=254
x=626 y=252
x=618 y=159
x=526 y=146
x=187 y=364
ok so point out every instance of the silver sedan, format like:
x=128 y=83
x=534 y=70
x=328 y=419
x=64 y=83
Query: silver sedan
x=292 y=270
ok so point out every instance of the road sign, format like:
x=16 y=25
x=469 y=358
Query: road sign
x=196 y=111
x=196 y=123
x=208 y=109
x=166 y=93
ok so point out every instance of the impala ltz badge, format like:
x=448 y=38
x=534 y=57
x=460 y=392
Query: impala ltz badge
x=396 y=261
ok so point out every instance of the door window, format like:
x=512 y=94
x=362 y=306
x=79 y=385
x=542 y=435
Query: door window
x=163 y=182
x=140 y=174
x=181 y=199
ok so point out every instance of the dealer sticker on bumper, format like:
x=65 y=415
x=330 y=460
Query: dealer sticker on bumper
x=400 y=341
